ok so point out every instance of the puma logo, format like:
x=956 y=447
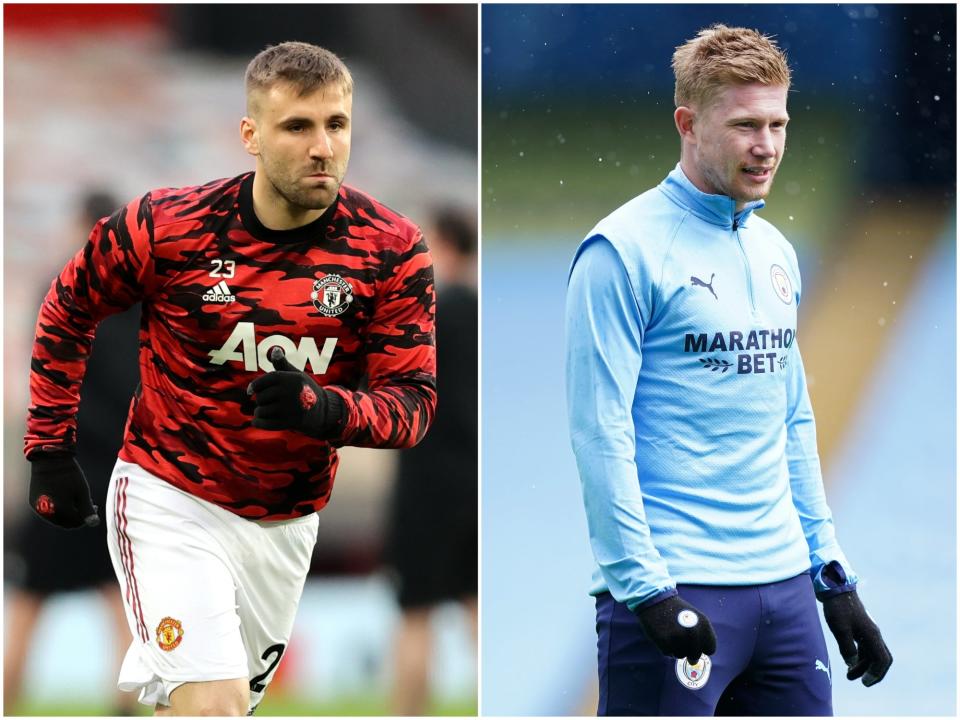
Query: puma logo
x=820 y=666
x=709 y=286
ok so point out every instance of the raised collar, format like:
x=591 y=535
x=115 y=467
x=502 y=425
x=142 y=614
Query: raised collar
x=715 y=209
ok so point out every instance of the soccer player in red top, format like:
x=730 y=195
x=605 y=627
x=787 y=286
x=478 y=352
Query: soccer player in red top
x=284 y=314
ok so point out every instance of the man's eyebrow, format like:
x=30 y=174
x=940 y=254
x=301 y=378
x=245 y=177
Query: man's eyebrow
x=755 y=118
x=294 y=119
x=304 y=120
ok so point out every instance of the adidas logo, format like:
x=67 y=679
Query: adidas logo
x=219 y=293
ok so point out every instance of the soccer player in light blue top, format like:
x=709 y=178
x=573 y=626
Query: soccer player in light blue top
x=692 y=427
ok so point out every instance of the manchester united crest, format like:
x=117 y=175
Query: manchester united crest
x=169 y=634
x=332 y=295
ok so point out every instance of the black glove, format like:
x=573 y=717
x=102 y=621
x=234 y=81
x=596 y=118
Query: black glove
x=288 y=399
x=678 y=629
x=859 y=638
x=59 y=492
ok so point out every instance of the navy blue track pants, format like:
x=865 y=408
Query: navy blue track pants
x=771 y=656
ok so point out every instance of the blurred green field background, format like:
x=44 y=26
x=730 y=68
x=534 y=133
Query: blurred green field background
x=339 y=662
x=552 y=169
x=280 y=706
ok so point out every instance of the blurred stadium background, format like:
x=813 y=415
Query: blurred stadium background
x=125 y=98
x=577 y=105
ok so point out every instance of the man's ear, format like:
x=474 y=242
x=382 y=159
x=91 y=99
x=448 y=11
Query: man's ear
x=683 y=118
x=249 y=135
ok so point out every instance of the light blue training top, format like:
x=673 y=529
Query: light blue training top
x=688 y=407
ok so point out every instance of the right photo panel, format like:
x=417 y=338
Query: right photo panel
x=682 y=512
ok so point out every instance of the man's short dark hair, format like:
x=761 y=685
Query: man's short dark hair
x=304 y=66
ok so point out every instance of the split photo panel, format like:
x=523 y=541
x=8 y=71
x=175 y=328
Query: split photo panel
x=445 y=359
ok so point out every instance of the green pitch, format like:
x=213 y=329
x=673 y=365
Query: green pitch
x=282 y=705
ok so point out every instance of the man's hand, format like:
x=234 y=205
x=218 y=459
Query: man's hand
x=861 y=644
x=288 y=399
x=59 y=492
x=678 y=629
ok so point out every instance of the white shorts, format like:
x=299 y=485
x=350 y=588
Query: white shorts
x=208 y=595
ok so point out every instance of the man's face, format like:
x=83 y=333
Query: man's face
x=740 y=138
x=302 y=144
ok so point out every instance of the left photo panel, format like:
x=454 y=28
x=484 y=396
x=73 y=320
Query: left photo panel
x=240 y=345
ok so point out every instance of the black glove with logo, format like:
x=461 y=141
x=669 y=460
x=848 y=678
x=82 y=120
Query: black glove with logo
x=59 y=492
x=289 y=399
x=678 y=629
x=858 y=636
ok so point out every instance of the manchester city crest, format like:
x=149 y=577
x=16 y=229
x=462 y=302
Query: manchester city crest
x=781 y=283
x=693 y=677
x=332 y=295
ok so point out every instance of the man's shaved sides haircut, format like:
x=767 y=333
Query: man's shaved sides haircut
x=720 y=56
x=301 y=65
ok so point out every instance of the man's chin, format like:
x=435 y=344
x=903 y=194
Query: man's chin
x=317 y=200
x=753 y=197
x=752 y=194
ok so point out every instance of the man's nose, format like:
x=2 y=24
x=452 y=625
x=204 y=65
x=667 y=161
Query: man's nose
x=763 y=145
x=322 y=148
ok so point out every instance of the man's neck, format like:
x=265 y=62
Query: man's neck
x=699 y=182
x=274 y=211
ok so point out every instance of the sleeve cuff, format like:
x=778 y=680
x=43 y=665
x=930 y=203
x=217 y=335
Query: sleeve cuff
x=42 y=452
x=831 y=580
x=658 y=598
x=336 y=415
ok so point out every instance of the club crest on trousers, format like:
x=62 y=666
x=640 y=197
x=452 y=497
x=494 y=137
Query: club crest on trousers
x=694 y=677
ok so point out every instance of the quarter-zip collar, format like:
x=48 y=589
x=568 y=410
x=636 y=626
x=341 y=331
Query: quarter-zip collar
x=715 y=209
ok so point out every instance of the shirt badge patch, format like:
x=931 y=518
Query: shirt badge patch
x=781 y=283
x=693 y=677
x=332 y=295
x=169 y=634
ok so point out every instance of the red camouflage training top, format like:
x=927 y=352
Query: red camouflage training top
x=350 y=298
